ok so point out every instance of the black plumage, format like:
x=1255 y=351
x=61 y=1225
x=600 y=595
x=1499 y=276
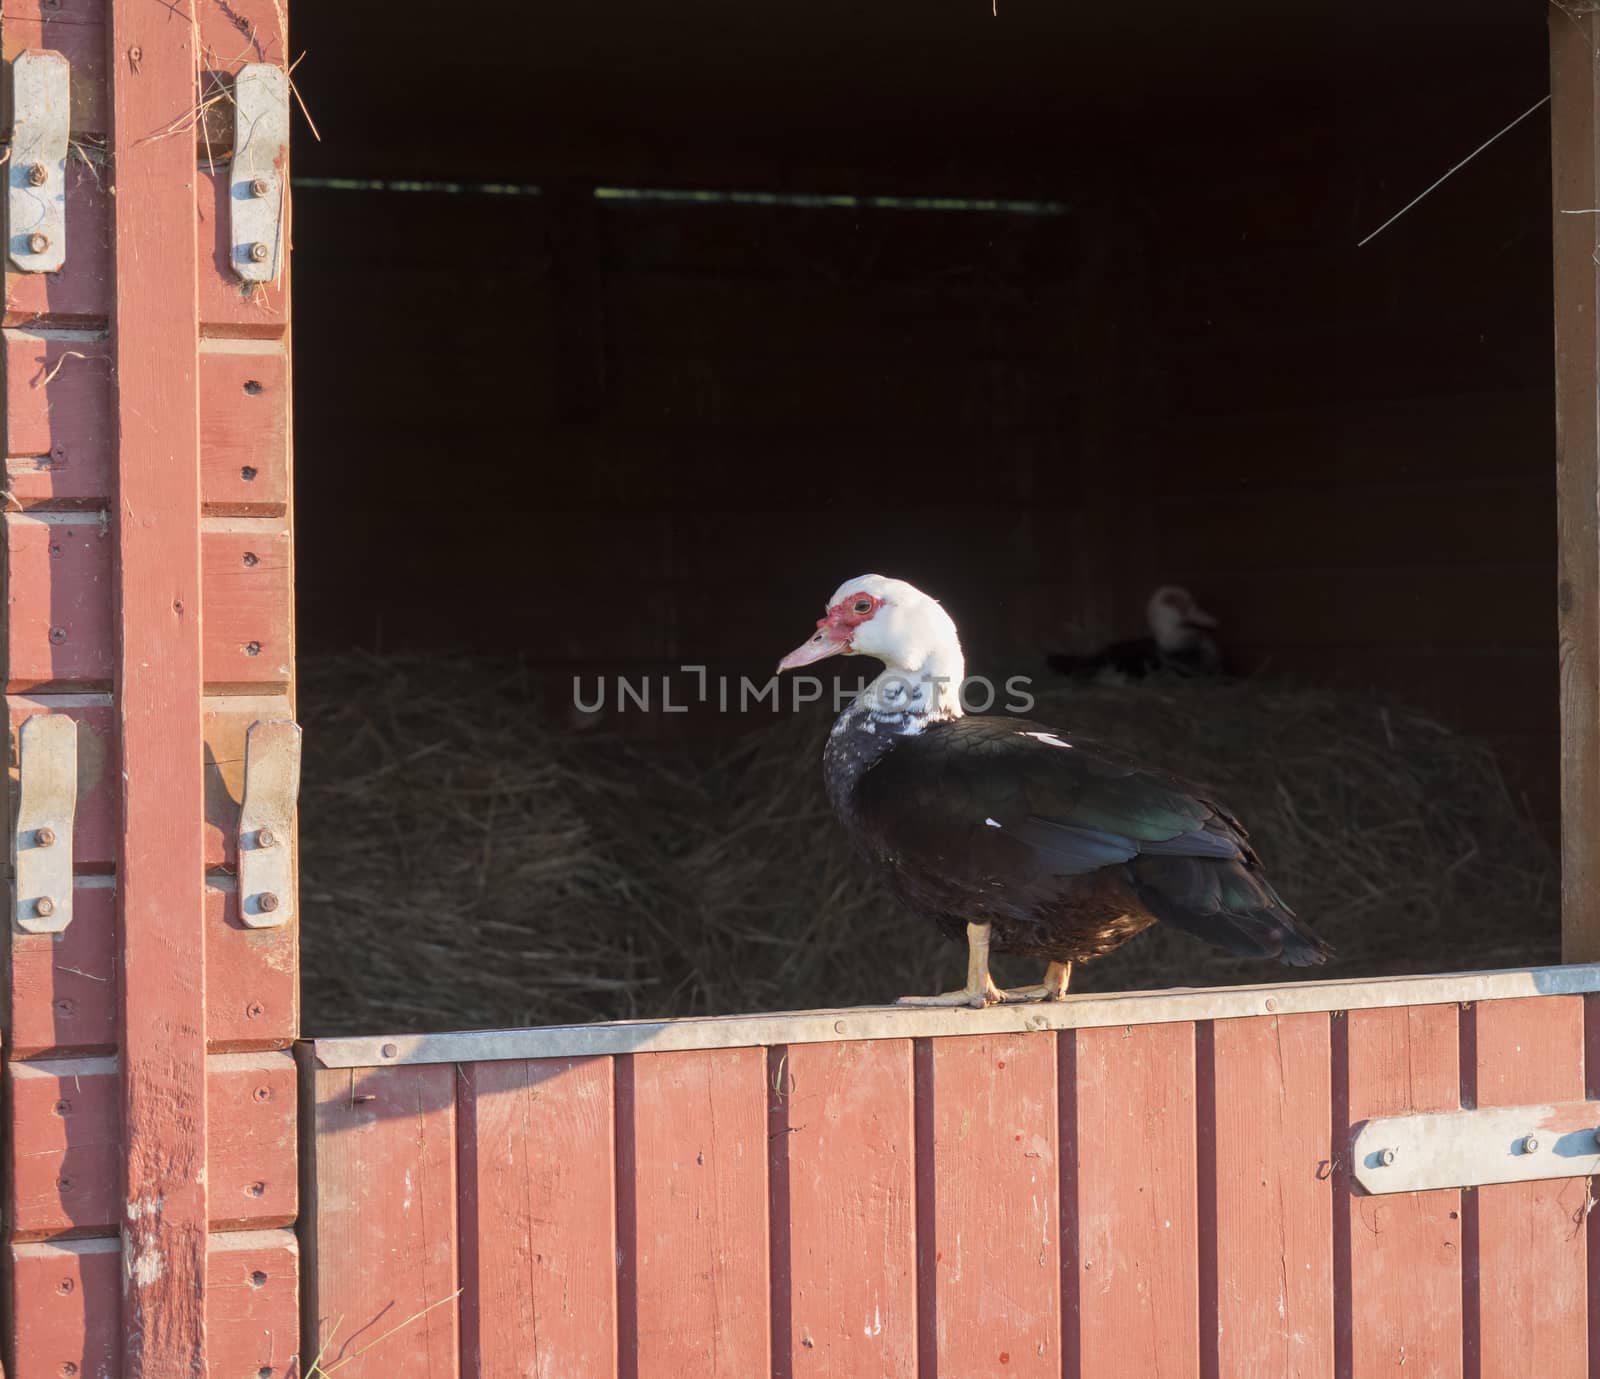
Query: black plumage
x=1064 y=847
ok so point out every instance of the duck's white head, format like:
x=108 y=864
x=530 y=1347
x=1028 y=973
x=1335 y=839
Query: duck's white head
x=1177 y=622
x=898 y=624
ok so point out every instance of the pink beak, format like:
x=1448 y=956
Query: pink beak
x=826 y=641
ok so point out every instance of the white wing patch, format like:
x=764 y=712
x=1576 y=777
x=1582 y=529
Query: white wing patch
x=1049 y=739
x=993 y=823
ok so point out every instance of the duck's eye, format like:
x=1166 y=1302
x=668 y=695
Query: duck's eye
x=863 y=605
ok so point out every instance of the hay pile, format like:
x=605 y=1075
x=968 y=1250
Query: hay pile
x=468 y=861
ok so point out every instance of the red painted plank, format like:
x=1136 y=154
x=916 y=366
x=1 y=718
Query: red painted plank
x=58 y=407
x=993 y=1283
x=538 y=1218
x=64 y=986
x=843 y=1175
x=64 y=1301
x=1532 y=1291
x=252 y=991
x=1130 y=1211
x=160 y=868
x=244 y=425
x=384 y=1212
x=249 y=604
x=58 y=600
x=81 y=291
x=77 y=30
x=252 y=1304
x=693 y=1214
x=1273 y=1195
x=96 y=821
x=1401 y=1253
x=66 y=1133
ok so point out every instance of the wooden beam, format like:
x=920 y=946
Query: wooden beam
x=1575 y=146
x=155 y=333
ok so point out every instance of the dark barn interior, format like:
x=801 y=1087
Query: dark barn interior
x=624 y=333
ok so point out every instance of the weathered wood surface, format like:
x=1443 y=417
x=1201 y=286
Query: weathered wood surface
x=1575 y=139
x=842 y=1146
x=158 y=680
x=1110 y=1201
x=1267 y=1199
x=538 y=1218
x=1398 y=1259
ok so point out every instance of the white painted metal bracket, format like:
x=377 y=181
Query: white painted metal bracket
x=266 y=824
x=41 y=841
x=36 y=200
x=1497 y=1144
x=260 y=161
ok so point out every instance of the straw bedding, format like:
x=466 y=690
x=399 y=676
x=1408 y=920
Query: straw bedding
x=468 y=860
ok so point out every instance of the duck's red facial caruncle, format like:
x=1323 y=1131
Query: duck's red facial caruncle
x=835 y=632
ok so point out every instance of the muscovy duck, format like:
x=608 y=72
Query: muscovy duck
x=1180 y=643
x=1016 y=836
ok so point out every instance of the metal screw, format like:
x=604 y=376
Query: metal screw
x=251 y=558
x=254 y=1011
x=62 y=1108
x=44 y=907
x=248 y=473
x=257 y=1189
x=252 y=648
x=38 y=174
x=259 y=186
x=1272 y=1003
x=38 y=242
x=266 y=838
x=58 y=635
x=389 y=1051
x=259 y=252
x=1386 y=1157
x=1530 y=1145
x=263 y=1093
x=258 y=1279
x=45 y=837
x=268 y=902
x=65 y=1286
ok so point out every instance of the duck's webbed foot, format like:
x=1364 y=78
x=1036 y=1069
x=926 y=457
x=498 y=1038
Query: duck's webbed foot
x=980 y=989
x=1053 y=988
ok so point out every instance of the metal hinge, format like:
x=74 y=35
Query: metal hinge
x=266 y=824
x=1497 y=1144
x=260 y=166
x=41 y=841
x=36 y=205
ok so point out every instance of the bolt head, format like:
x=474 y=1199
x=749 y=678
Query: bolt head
x=268 y=901
x=45 y=837
x=389 y=1050
x=38 y=242
x=1530 y=1144
x=259 y=252
x=44 y=907
x=266 y=838
x=38 y=174
x=1386 y=1157
x=259 y=186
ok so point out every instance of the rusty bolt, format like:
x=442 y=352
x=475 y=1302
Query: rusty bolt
x=58 y=635
x=266 y=838
x=38 y=242
x=45 y=837
x=44 y=907
x=38 y=174
x=259 y=186
x=1530 y=1144
x=254 y=1011
x=1386 y=1157
x=268 y=902
x=389 y=1051
x=259 y=253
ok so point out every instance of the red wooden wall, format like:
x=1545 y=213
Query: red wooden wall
x=149 y=1091
x=1096 y=1202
